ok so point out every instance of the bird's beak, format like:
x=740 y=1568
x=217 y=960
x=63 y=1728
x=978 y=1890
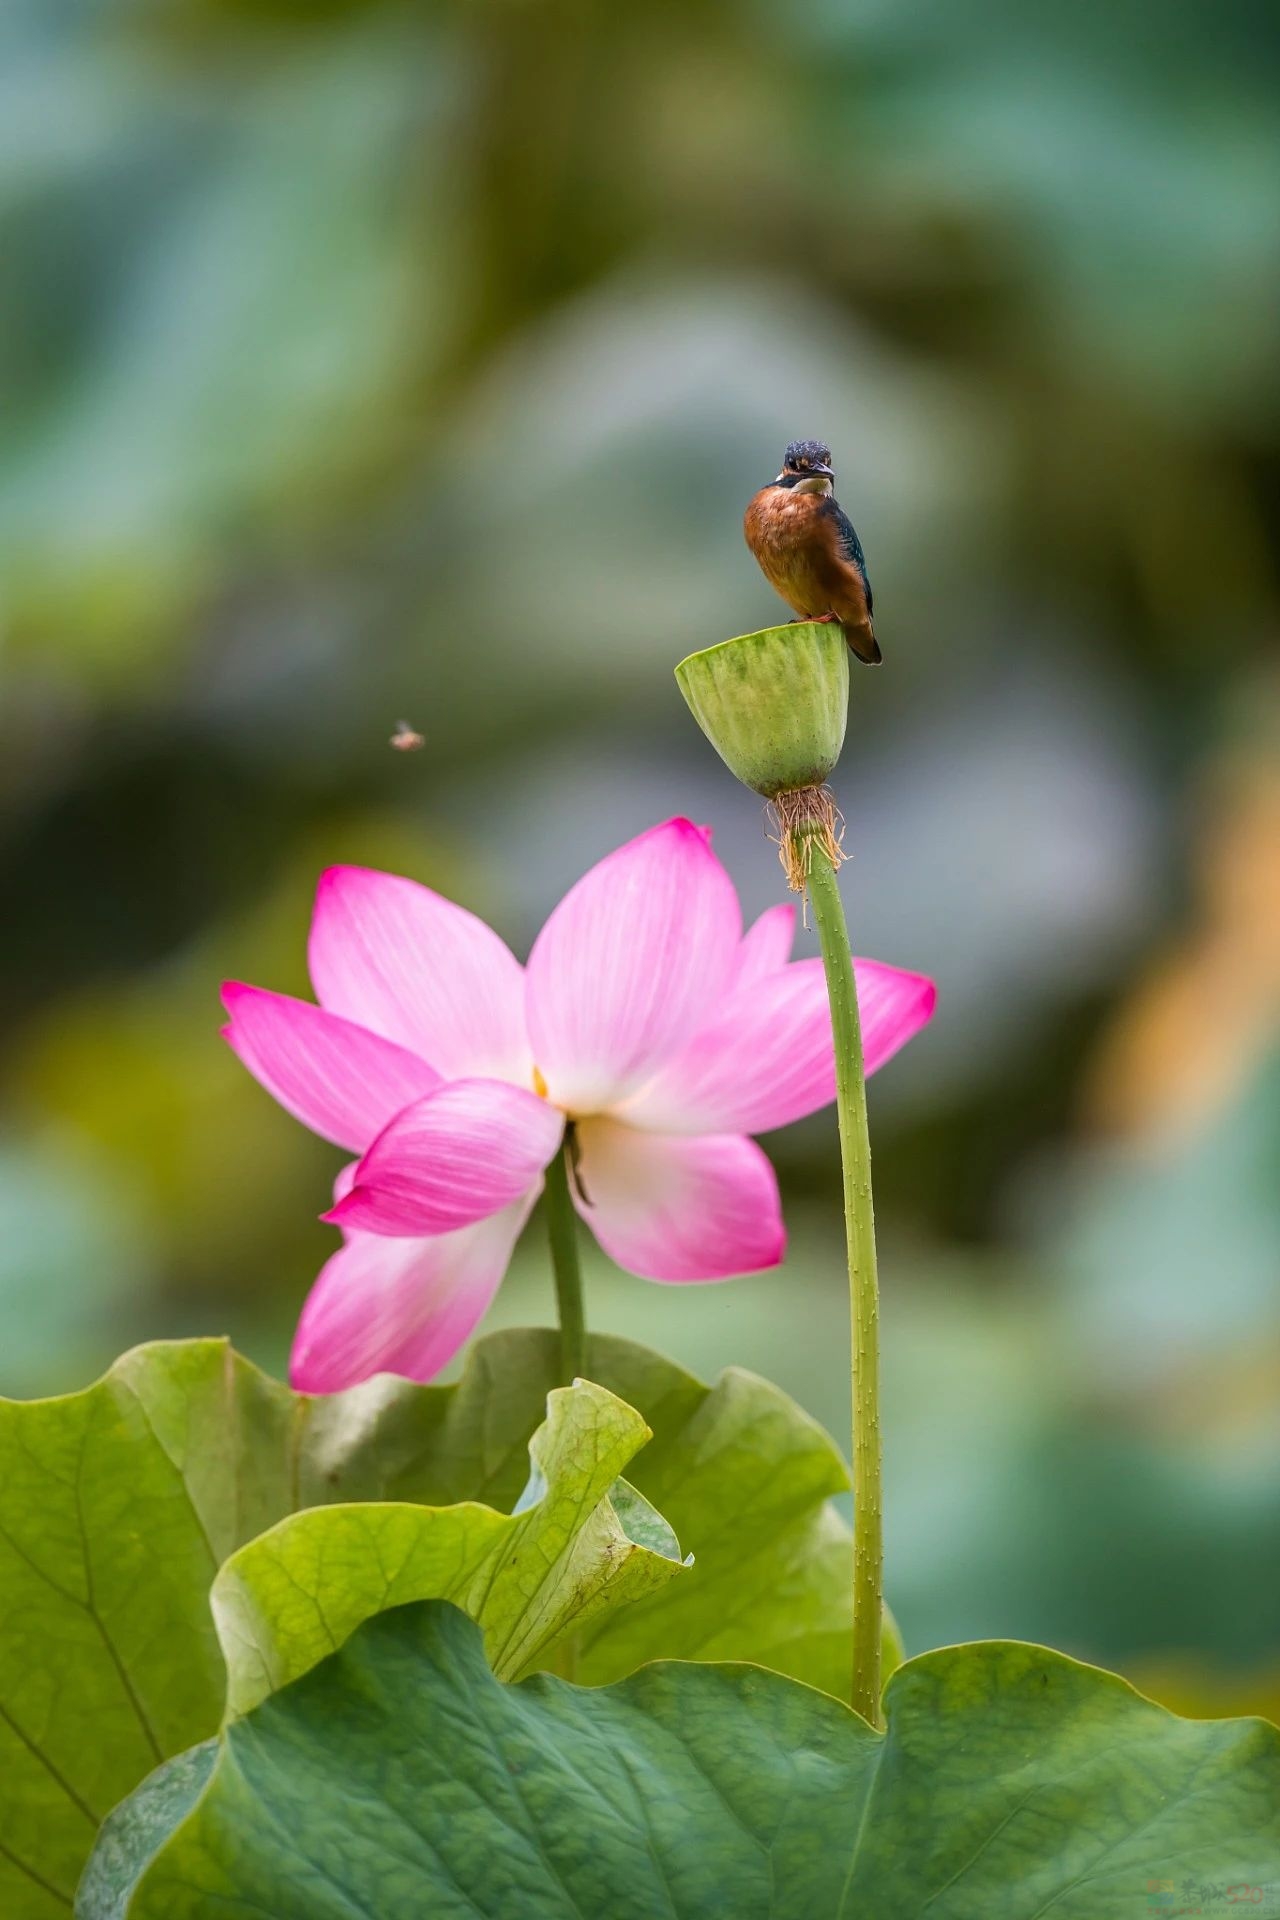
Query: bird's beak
x=824 y=472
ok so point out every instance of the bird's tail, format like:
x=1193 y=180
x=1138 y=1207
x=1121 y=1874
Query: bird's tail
x=862 y=640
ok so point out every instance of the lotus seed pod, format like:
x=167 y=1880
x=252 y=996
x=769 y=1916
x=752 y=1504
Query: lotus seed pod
x=773 y=704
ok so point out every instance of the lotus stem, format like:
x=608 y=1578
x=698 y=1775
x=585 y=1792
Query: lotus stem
x=562 y=1232
x=815 y=860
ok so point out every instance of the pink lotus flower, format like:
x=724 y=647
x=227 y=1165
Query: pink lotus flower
x=645 y=1016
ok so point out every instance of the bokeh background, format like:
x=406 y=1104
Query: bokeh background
x=366 y=362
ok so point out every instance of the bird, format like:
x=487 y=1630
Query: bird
x=807 y=548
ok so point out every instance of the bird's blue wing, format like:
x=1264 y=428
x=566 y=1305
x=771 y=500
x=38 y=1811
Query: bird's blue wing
x=852 y=547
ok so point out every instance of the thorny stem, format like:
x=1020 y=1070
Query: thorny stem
x=562 y=1231
x=864 y=1301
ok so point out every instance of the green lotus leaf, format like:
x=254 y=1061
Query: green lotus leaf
x=400 y=1778
x=119 y=1505
x=745 y=1478
x=565 y=1555
x=136 y=1830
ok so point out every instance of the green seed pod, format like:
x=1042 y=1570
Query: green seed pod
x=773 y=704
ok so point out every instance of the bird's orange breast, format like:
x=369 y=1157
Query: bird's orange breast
x=780 y=514
x=785 y=531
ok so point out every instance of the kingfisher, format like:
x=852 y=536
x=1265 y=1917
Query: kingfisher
x=808 y=550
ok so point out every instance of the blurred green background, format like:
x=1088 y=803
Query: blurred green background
x=369 y=361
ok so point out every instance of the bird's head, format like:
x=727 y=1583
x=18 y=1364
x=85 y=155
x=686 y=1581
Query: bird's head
x=806 y=467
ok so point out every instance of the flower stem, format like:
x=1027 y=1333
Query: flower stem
x=562 y=1231
x=864 y=1301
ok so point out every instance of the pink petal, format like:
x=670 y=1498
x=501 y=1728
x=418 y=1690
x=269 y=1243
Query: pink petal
x=340 y=1080
x=629 y=964
x=678 y=1209
x=401 y=1306
x=765 y=1059
x=421 y=970
x=766 y=945
x=465 y=1151
x=893 y=1006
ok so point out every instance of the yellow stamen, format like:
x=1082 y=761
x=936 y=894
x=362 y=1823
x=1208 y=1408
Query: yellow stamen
x=539 y=1084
